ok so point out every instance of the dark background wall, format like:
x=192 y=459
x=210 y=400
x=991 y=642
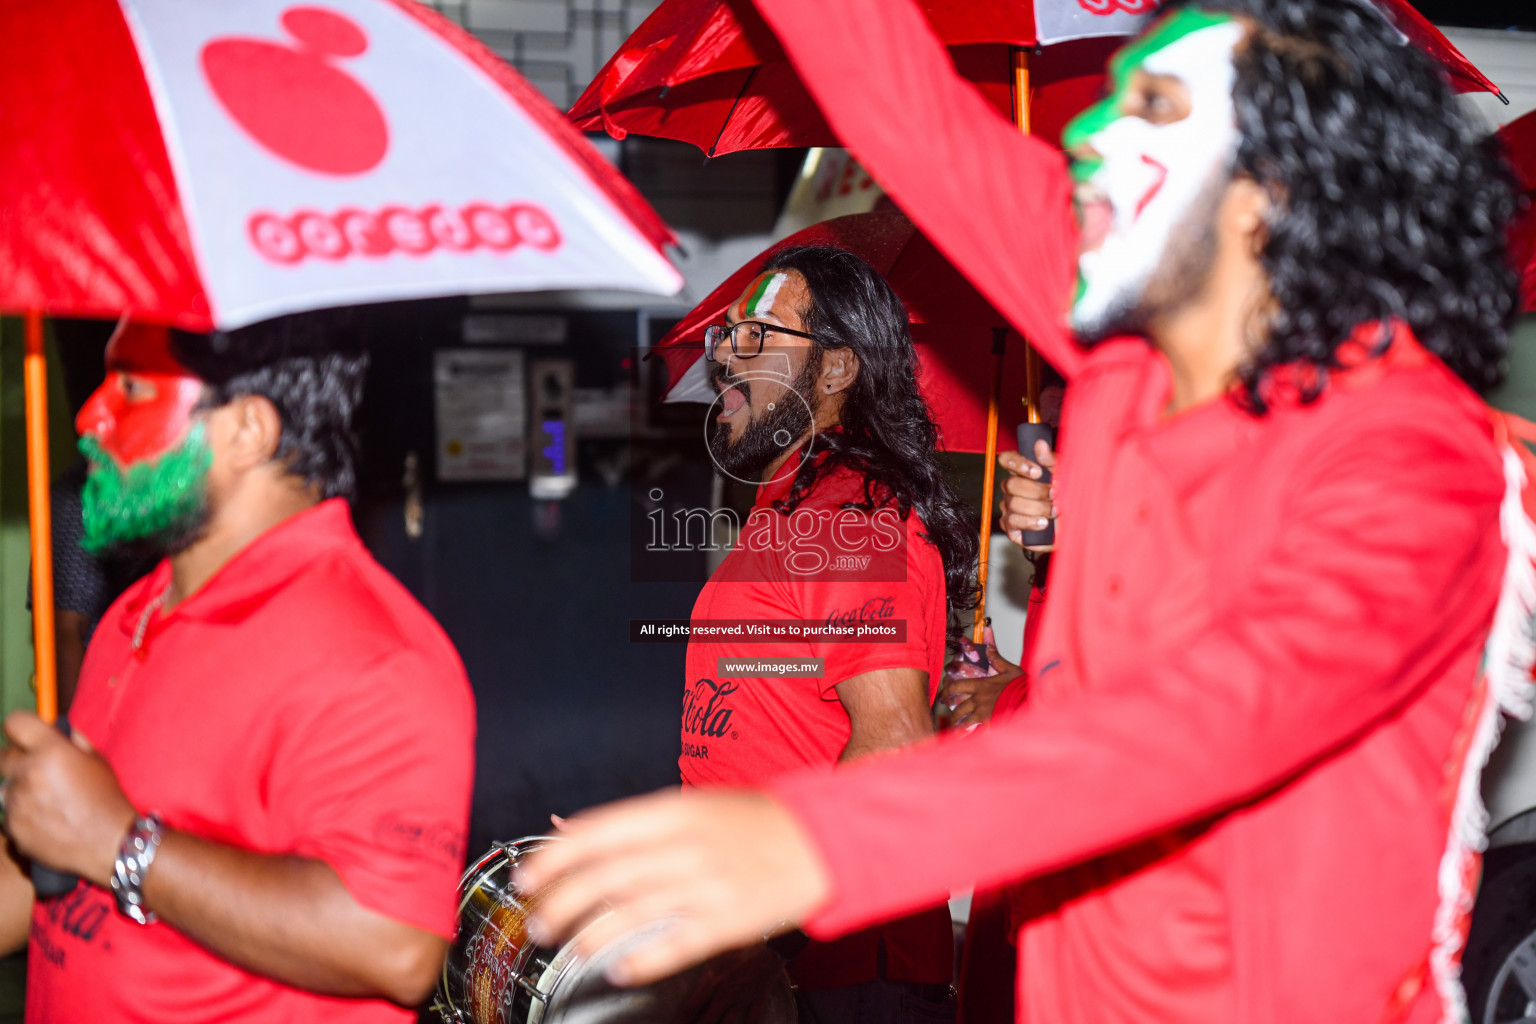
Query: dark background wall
x=536 y=595
x=1518 y=14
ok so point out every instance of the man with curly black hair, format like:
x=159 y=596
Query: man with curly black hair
x=1244 y=786
x=267 y=795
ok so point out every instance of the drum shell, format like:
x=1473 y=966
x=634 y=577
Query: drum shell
x=494 y=975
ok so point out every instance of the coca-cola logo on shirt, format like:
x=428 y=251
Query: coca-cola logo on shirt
x=430 y=840
x=705 y=709
x=873 y=610
x=79 y=914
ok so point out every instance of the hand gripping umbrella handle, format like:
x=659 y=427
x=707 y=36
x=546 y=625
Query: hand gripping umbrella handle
x=47 y=882
x=1029 y=433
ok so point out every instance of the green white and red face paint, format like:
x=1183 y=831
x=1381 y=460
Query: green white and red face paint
x=1144 y=177
x=759 y=297
x=149 y=457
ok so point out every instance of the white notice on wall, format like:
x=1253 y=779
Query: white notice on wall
x=482 y=418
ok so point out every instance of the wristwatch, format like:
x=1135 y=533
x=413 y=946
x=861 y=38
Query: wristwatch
x=133 y=860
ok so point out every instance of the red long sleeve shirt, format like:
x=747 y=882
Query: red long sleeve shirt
x=1262 y=642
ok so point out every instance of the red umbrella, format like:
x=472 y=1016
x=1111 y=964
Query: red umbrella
x=952 y=324
x=1463 y=73
x=709 y=72
x=226 y=163
x=215 y=164
x=1519 y=139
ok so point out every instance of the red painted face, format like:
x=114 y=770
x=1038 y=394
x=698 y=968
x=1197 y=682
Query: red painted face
x=144 y=407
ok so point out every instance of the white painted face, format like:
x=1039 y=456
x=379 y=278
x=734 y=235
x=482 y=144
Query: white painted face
x=1152 y=164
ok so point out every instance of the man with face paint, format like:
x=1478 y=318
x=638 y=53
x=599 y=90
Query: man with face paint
x=1152 y=173
x=266 y=792
x=1244 y=786
x=148 y=453
x=819 y=408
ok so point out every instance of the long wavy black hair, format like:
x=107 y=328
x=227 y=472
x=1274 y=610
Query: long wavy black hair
x=888 y=435
x=1388 y=200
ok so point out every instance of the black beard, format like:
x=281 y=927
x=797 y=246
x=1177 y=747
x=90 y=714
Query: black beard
x=172 y=540
x=746 y=458
x=1180 y=278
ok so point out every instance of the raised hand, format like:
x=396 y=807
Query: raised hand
x=721 y=870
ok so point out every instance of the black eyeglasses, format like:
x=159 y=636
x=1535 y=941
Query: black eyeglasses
x=746 y=337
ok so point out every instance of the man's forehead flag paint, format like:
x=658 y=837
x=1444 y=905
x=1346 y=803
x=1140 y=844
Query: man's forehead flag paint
x=760 y=297
x=1122 y=67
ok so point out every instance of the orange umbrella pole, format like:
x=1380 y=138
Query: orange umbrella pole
x=999 y=347
x=1020 y=57
x=1031 y=387
x=1020 y=60
x=35 y=378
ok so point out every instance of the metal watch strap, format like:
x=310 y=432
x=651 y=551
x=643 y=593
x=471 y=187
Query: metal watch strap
x=133 y=860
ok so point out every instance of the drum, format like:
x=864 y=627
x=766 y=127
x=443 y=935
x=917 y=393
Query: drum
x=495 y=975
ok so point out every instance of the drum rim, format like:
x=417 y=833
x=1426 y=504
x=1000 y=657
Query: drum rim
x=513 y=851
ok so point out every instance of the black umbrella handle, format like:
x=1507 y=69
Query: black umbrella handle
x=47 y=882
x=1029 y=433
x=50 y=884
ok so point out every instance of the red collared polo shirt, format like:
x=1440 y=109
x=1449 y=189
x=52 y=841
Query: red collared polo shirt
x=301 y=703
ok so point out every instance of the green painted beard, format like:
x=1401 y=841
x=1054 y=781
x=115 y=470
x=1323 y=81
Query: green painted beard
x=162 y=502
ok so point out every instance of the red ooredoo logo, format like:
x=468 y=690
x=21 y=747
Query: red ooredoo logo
x=1115 y=6
x=399 y=229
x=294 y=101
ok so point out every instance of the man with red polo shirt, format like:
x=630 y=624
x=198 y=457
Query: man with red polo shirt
x=1291 y=588
x=268 y=790
x=845 y=566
